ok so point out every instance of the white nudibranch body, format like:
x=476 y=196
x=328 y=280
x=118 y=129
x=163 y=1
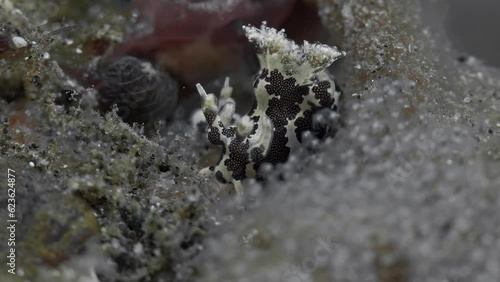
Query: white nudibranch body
x=291 y=86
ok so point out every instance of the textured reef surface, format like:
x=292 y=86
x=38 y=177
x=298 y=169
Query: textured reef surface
x=407 y=189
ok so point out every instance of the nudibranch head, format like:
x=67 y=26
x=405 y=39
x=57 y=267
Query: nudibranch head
x=291 y=86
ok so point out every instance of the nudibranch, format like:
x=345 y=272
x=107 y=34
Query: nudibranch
x=291 y=86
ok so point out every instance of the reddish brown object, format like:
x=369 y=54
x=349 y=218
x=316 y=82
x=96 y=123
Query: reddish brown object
x=197 y=40
x=21 y=126
x=177 y=22
x=4 y=43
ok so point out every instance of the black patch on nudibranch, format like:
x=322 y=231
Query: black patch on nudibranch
x=278 y=151
x=220 y=177
x=321 y=93
x=214 y=136
x=305 y=123
x=238 y=158
x=255 y=119
x=257 y=154
x=210 y=117
x=229 y=132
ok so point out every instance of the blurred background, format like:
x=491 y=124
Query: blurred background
x=473 y=26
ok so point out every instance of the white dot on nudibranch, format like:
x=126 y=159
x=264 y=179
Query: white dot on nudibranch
x=19 y=42
x=31 y=164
